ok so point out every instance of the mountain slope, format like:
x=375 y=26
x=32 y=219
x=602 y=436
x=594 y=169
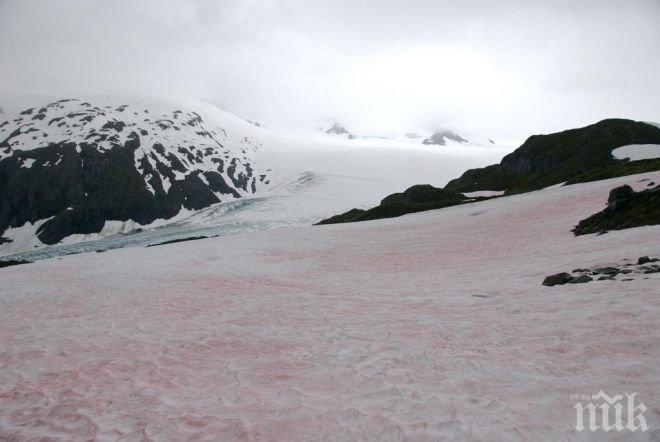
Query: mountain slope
x=71 y=165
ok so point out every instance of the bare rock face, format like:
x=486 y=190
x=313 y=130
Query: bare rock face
x=440 y=138
x=74 y=165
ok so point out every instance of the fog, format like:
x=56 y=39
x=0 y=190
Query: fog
x=503 y=69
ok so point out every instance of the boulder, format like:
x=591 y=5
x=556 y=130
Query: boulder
x=558 y=279
x=580 y=279
x=618 y=195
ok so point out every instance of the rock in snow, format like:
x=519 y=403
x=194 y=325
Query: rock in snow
x=558 y=279
x=618 y=195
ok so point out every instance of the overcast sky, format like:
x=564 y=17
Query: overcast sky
x=501 y=68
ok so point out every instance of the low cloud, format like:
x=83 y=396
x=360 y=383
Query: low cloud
x=504 y=69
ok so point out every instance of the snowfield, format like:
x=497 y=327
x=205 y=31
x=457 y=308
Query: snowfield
x=636 y=152
x=429 y=326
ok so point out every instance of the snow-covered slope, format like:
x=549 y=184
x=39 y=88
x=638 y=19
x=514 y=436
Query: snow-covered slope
x=636 y=152
x=433 y=326
x=210 y=157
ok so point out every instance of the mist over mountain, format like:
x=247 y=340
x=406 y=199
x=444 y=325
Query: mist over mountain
x=505 y=69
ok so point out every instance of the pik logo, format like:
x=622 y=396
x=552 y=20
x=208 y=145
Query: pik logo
x=611 y=413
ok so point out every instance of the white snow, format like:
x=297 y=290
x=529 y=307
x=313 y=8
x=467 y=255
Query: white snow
x=425 y=327
x=22 y=238
x=554 y=186
x=27 y=163
x=484 y=193
x=636 y=152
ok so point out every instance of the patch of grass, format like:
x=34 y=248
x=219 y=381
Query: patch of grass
x=415 y=199
x=572 y=156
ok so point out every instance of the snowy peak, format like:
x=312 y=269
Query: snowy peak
x=440 y=138
x=120 y=161
x=181 y=141
x=337 y=129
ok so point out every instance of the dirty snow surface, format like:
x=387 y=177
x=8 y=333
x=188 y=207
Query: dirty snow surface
x=429 y=326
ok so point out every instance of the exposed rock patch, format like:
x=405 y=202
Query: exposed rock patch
x=625 y=272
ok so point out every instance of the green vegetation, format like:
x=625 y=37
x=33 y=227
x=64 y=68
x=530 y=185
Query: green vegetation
x=572 y=156
x=415 y=199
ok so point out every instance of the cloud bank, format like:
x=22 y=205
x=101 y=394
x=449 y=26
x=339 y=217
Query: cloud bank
x=505 y=69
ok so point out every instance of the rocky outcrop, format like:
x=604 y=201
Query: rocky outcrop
x=625 y=209
x=619 y=196
x=623 y=272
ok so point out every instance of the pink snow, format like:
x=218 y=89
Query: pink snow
x=429 y=326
